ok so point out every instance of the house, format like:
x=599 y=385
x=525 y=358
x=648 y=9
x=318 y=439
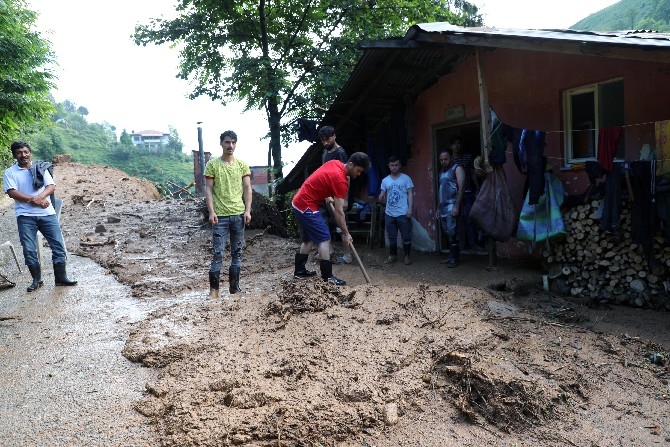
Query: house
x=149 y=138
x=408 y=96
x=259 y=179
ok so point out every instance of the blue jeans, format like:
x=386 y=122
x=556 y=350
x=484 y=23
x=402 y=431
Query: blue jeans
x=47 y=225
x=393 y=224
x=228 y=225
x=449 y=223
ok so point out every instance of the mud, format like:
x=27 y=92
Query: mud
x=424 y=355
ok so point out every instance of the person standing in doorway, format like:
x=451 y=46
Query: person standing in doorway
x=397 y=192
x=329 y=182
x=228 y=197
x=31 y=185
x=450 y=186
x=470 y=186
x=333 y=151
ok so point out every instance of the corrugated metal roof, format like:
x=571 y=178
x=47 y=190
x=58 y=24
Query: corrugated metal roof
x=394 y=71
x=630 y=37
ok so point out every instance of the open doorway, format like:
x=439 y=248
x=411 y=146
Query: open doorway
x=471 y=143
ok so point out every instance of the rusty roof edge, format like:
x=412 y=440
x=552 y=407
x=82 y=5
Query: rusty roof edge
x=635 y=37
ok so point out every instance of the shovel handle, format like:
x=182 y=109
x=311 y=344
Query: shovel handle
x=353 y=250
x=360 y=264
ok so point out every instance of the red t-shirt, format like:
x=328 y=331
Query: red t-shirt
x=330 y=180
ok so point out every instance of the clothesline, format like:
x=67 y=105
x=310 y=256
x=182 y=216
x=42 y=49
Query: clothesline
x=589 y=130
x=574 y=130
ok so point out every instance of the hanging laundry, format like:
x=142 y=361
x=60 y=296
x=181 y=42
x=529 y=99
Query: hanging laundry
x=518 y=150
x=536 y=162
x=611 y=216
x=306 y=130
x=608 y=142
x=501 y=136
x=643 y=209
x=662 y=130
x=543 y=220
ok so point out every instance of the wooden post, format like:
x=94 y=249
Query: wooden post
x=484 y=107
x=486 y=134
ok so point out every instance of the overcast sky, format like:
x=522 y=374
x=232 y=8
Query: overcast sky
x=134 y=88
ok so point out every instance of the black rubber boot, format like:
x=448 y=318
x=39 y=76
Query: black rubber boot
x=36 y=273
x=214 y=279
x=327 y=273
x=454 y=251
x=407 y=248
x=61 y=275
x=300 y=270
x=234 y=280
x=393 y=254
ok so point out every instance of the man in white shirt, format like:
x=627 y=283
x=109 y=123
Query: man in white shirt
x=31 y=185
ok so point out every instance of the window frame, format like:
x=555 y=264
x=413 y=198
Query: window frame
x=568 y=94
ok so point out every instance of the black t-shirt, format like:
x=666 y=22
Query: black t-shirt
x=338 y=154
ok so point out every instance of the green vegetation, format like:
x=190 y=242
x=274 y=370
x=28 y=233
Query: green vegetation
x=93 y=143
x=24 y=81
x=287 y=56
x=629 y=14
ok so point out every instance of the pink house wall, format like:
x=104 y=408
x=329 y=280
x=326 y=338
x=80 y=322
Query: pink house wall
x=525 y=89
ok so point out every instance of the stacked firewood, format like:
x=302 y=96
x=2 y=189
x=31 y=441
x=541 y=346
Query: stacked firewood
x=607 y=267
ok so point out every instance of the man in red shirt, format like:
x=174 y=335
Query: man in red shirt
x=329 y=182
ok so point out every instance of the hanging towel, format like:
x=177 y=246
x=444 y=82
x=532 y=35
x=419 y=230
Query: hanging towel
x=608 y=141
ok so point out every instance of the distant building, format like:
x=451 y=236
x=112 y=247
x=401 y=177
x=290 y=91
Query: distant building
x=259 y=179
x=149 y=138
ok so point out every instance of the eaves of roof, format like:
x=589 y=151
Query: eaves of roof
x=394 y=71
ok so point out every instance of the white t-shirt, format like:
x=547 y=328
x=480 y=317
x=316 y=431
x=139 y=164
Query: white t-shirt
x=396 y=194
x=22 y=181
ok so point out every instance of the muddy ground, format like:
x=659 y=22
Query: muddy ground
x=421 y=356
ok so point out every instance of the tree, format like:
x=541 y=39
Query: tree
x=48 y=143
x=25 y=80
x=285 y=56
x=125 y=139
x=174 y=143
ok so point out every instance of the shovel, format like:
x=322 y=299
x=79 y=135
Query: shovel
x=360 y=264
x=353 y=250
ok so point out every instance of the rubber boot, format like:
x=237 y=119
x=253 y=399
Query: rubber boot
x=407 y=249
x=327 y=273
x=214 y=279
x=300 y=270
x=454 y=251
x=36 y=273
x=234 y=280
x=61 y=275
x=393 y=255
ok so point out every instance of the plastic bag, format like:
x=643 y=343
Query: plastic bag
x=494 y=211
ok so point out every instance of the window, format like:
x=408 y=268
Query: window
x=587 y=110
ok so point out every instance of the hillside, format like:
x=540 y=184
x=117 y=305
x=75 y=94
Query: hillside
x=628 y=15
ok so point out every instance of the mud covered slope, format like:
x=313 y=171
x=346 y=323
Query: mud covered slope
x=312 y=364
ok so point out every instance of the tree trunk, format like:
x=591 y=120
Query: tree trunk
x=274 y=119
